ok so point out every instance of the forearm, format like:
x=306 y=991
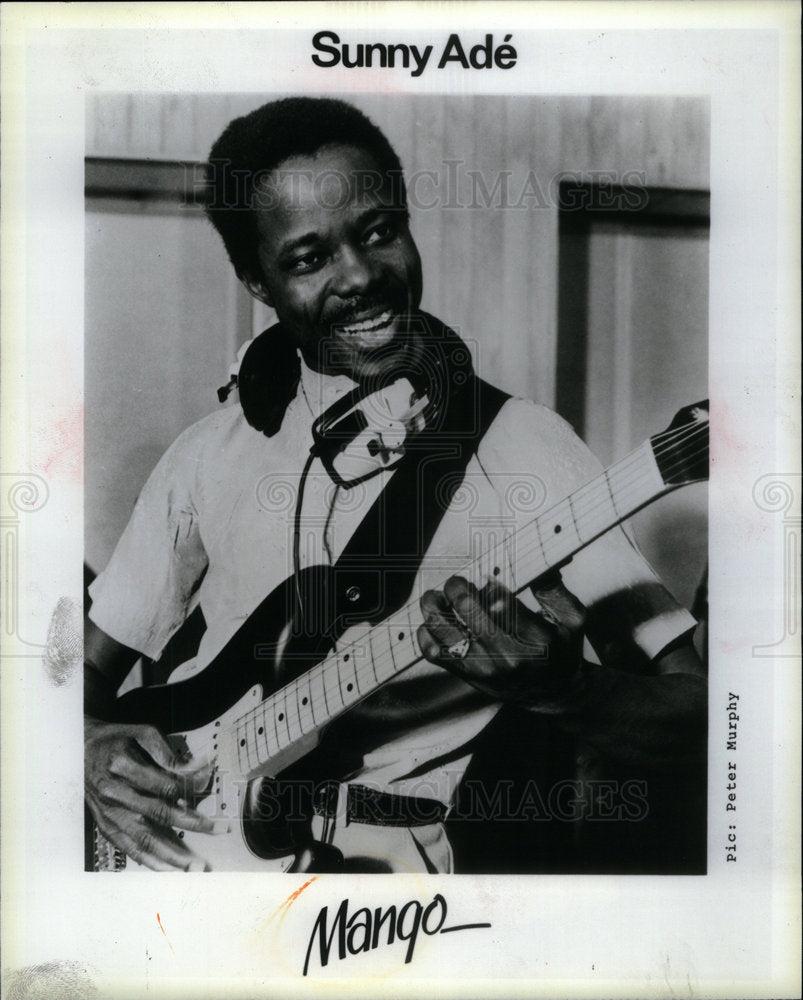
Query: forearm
x=106 y=663
x=99 y=694
x=652 y=722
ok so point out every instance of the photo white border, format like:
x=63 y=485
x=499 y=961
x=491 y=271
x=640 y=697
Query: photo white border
x=734 y=932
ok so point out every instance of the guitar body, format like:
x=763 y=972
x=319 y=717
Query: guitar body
x=228 y=796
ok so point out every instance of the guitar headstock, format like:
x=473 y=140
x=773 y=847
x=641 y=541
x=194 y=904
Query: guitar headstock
x=681 y=451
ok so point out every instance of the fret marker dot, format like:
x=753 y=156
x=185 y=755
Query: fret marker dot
x=557 y=529
x=303 y=701
x=242 y=743
x=260 y=730
x=496 y=571
x=401 y=636
x=281 y=716
x=346 y=658
x=349 y=687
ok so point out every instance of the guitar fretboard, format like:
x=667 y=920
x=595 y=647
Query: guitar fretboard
x=268 y=733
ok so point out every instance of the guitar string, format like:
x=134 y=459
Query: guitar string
x=335 y=661
x=613 y=479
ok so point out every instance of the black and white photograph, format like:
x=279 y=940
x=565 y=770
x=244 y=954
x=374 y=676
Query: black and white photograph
x=466 y=731
x=404 y=489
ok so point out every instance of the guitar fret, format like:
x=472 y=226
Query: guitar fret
x=391 y=663
x=306 y=704
x=597 y=506
x=618 y=493
x=253 y=740
x=372 y=656
x=331 y=675
x=522 y=557
x=611 y=492
x=316 y=678
x=237 y=729
x=339 y=682
x=542 y=546
x=296 y=705
x=243 y=734
x=249 y=739
x=574 y=520
x=389 y=632
x=365 y=671
x=262 y=730
x=283 y=715
x=629 y=490
x=318 y=675
x=481 y=565
x=510 y=570
x=272 y=708
x=411 y=640
x=335 y=668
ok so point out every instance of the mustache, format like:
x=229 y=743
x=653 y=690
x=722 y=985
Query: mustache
x=355 y=307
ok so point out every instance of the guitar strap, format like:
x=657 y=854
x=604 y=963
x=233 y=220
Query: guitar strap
x=376 y=571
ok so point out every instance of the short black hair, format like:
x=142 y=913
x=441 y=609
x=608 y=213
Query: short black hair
x=252 y=146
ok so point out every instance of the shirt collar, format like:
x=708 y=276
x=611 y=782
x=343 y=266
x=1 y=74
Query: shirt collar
x=321 y=390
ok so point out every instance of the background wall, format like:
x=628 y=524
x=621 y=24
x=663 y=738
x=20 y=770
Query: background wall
x=165 y=314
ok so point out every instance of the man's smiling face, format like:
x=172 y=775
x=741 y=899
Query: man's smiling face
x=338 y=262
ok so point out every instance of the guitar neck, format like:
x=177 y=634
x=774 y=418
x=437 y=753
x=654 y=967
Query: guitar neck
x=272 y=733
x=556 y=535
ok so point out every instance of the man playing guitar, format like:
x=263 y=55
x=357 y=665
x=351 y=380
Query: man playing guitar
x=308 y=198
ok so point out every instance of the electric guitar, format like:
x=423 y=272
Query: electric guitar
x=261 y=733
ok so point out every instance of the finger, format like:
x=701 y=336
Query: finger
x=154 y=849
x=428 y=644
x=501 y=606
x=433 y=602
x=463 y=597
x=437 y=635
x=159 y=811
x=156 y=781
x=146 y=777
x=125 y=833
x=468 y=604
x=160 y=751
x=433 y=650
x=530 y=630
x=559 y=604
x=440 y=626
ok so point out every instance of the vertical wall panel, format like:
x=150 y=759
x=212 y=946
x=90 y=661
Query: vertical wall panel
x=160 y=330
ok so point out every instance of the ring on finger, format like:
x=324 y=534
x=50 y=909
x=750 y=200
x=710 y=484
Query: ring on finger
x=458 y=650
